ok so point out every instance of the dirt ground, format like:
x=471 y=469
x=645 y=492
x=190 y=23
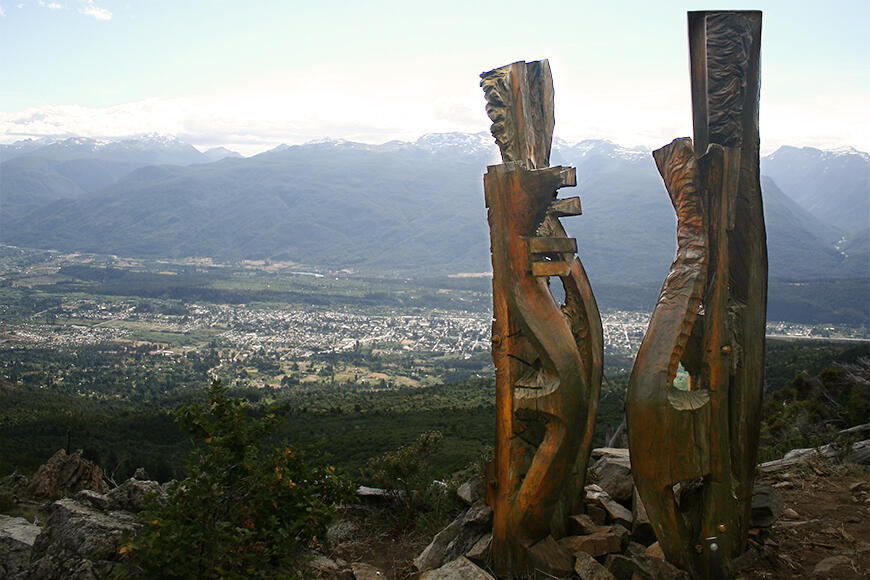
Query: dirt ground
x=826 y=513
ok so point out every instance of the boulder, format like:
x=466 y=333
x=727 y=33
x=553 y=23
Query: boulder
x=433 y=554
x=362 y=571
x=130 y=495
x=551 y=558
x=634 y=549
x=624 y=566
x=588 y=568
x=471 y=491
x=595 y=544
x=617 y=452
x=596 y=513
x=599 y=500
x=456 y=539
x=655 y=551
x=17 y=536
x=92 y=498
x=79 y=542
x=329 y=567
x=459 y=569
x=481 y=550
x=767 y=506
x=860 y=453
x=476 y=522
x=63 y=475
x=622 y=533
x=340 y=531
x=582 y=524
x=614 y=476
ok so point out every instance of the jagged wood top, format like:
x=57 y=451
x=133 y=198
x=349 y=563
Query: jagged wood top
x=724 y=47
x=519 y=102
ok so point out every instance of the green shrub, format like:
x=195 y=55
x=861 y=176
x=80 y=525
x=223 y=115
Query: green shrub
x=7 y=502
x=243 y=511
x=408 y=475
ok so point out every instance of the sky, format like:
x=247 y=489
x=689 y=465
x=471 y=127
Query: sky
x=251 y=75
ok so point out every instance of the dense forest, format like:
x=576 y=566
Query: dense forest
x=814 y=388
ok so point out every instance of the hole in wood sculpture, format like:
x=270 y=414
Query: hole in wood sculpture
x=557 y=289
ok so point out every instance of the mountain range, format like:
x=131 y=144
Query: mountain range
x=407 y=208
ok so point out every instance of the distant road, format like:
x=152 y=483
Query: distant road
x=791 y=338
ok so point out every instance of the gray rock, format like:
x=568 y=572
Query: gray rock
x=471 y=491
x=332 y=568
x=624 y=566
x=17 y=536
x=599 y=500
x=478 y=514
x=374 y=493
x=433 y=554
x=581 y=524
x=459 y=569
x=340 y=531
x=618 y=452
x=860 y=453
x=595 y=544
x=833 y=567
x=622 y=533
x=476 y=522
x=63 y=475
x=596 y=513
x=634 y=549
x=130 y=495
x=362 y=571
x=481 y=550
x=588 y=568
x=92 y=498
x=767 y=506
x=79 y=542
x=551 y=558
x=614 y=477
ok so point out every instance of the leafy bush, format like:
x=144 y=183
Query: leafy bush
x=243 y=511
x=813 y=409
x=7 y=501
x=407 y=474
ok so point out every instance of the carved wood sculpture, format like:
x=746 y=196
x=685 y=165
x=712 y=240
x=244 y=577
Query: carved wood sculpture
x=548 y=357
x=693 y=451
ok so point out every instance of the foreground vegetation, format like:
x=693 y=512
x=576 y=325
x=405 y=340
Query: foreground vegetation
x=245 y=509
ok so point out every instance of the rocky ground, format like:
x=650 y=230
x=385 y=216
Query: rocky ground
x=811 y=518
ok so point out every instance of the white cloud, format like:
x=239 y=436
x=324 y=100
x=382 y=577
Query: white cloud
x=373 y=105
x=95 y=11
x=2 y=12
x=49 y=5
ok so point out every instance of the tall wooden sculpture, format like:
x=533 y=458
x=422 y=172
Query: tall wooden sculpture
x=548 y=357
x=693 y=451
